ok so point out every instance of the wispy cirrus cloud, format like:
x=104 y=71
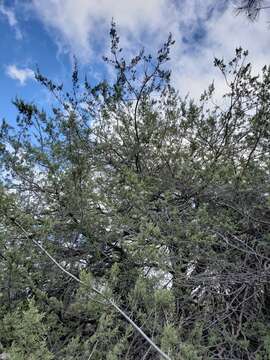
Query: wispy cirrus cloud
x=9 y=14
x=20 y=74
x=83 y=25
x=202 y=29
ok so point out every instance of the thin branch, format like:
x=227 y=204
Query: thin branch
x=109 y=301
x=93 y=350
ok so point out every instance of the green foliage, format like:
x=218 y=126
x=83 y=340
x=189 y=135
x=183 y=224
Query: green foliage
x=170 y=340
x=27 y=332
x=160 y=203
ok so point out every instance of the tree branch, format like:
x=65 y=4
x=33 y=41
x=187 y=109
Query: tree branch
x=95 y=290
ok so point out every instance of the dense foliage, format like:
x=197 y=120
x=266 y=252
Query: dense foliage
x=160 y=203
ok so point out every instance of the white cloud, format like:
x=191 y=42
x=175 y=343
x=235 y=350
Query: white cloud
x=22 y=75
x=223 y=33
x=12 y=20
x=202 y=29
x=82 y=24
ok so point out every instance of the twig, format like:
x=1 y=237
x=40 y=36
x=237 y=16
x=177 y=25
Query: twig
x=109 y=301
x=93 y=350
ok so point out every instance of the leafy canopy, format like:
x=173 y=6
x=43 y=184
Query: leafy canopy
x=160 y=203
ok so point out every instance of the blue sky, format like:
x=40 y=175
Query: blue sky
x=47 y=33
